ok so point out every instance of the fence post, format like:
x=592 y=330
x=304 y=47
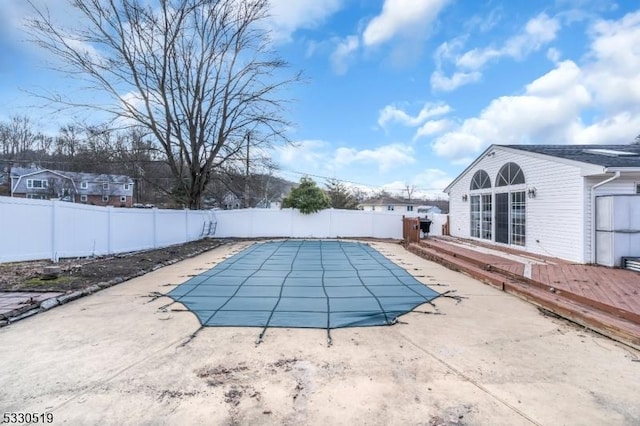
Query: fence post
x=109 y=231
x=186 y=225
x=54 y=231
x=154 y=218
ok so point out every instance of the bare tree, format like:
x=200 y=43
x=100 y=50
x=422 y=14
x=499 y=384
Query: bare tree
x=198 y=74
x=17 y=136
x=409 y=189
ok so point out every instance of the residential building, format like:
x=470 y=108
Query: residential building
x=400 y=206
x=88 y=188
x=575 y=202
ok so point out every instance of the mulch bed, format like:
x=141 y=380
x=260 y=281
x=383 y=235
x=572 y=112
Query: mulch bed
x=78 y=274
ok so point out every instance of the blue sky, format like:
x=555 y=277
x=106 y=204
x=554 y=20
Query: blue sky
x=409 y=92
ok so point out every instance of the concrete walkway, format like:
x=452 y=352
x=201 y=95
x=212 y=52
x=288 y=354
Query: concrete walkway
x=117 y=357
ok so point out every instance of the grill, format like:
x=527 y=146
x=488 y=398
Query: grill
x=632 y=263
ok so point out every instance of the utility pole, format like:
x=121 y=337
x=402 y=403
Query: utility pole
x=246 y=176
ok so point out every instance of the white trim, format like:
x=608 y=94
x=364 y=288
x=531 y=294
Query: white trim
x=105 y=198
x=126 y=187
x=84 y=184
x=123 y=199
x=84 y=197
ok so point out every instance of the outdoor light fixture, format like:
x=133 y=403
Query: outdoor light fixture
x=464 y=197
x=531 y=192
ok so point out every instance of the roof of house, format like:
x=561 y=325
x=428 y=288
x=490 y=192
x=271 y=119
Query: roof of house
x=76 y=176
x=385 y=201
x=606 y=156
x=601 y=155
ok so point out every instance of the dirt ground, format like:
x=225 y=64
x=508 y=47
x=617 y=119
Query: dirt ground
x=121 y=356
x=80 y=273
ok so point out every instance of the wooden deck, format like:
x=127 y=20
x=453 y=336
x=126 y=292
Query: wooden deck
x=604 y=299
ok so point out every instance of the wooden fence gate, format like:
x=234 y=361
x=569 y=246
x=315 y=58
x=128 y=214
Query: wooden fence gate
x=411 y=229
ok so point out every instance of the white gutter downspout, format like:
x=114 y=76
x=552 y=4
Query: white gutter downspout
x=593 y=213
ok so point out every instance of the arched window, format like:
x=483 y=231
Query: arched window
x=480 y=180
x=510 y=174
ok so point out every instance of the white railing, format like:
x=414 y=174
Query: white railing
x=40 y=229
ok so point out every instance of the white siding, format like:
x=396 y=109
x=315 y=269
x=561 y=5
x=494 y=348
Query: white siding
x=555 y=217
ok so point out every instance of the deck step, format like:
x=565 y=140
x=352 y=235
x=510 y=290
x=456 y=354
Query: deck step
x=618 y=327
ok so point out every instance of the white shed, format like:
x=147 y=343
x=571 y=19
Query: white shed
x=546 y=199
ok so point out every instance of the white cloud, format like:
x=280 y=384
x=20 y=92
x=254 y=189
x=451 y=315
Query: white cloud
x=393 y=114
x=433 y=127
x=538 y=32
x=613 y=76
x=432 y=180
x=304 y=154
x=545 y=113
x=341 y=56
x=441 y=82
x=386 y=157
x=288 y=16
x=428 y=183
x=402 y=17
x=622 y=127
x=319 y=157
x=554 y=54
x=553 y=108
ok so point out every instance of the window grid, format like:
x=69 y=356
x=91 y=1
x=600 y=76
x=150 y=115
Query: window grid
x=518 y=218
x=480 y=180
x=37 y=183
x=487 y=215
x=475 y=216
x=510 y=174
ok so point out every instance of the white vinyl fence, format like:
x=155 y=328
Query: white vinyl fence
x=330 y=223
x=41 y=229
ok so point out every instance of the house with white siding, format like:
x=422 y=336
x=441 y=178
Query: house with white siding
x=400 y=206
x=575 y=202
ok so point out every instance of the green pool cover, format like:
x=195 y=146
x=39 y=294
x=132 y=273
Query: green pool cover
x=303 y=284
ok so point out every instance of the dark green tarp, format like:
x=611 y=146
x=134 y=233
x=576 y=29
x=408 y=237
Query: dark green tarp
x=303 y=284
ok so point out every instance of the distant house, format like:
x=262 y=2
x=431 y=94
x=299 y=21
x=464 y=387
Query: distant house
x=4 y=183
x=231 y=201
x=88 y=188
x=400 y=206
x=575 y=202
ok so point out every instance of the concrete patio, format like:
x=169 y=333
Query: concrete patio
x=119 y=357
